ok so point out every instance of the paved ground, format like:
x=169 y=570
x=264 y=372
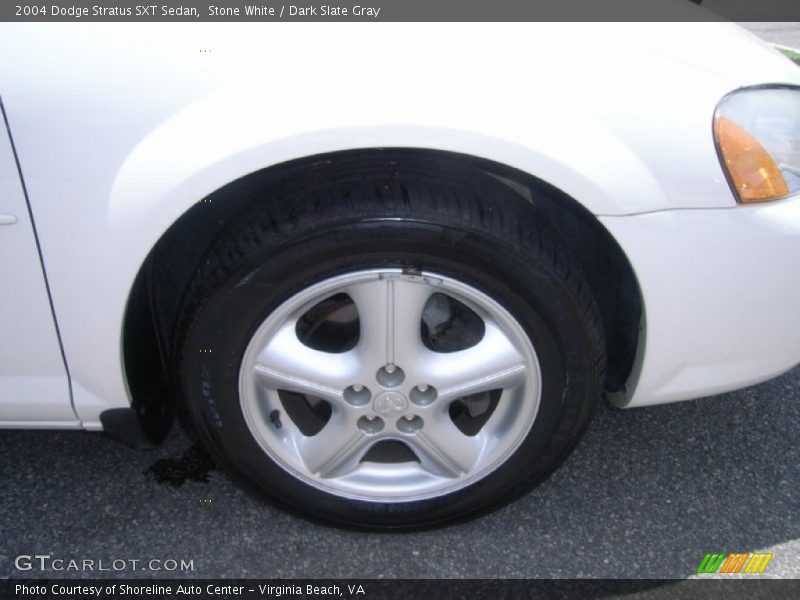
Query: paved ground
x=787 y=34
x=646 y=494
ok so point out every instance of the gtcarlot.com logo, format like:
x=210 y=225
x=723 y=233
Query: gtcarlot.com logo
x=47 y=562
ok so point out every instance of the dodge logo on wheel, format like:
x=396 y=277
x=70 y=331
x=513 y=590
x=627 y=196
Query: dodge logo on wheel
x=390 y=404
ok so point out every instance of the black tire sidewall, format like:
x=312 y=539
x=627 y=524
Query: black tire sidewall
x=528 y=288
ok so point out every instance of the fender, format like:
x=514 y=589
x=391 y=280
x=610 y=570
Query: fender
x=130 y=141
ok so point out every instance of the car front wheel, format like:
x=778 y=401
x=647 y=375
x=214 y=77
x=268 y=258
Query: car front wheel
x=398 y=349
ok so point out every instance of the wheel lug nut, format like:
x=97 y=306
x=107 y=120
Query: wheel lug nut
x=390 y=376
x=423 y=395
x=410 y=425
x=357 y=395
x=370 y=426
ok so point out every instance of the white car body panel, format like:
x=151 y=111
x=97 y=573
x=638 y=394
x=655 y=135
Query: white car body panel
x=721 y=309
x=121 y=129
x=33 y=380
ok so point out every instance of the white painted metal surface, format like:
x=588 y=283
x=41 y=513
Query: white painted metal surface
x=721 y=290
x=33 y=379
x=120 y=129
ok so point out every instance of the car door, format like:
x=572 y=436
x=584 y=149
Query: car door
x=34 y=386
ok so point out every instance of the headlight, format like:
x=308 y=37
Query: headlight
x=757 y=132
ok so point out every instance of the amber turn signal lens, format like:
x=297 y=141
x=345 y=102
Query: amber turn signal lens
x=752 y=170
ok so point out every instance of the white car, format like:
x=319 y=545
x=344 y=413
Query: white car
x=384 y=273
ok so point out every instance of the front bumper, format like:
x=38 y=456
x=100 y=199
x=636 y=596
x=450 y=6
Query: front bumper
x=721 y=295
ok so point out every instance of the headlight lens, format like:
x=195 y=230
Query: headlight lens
x=757 y=132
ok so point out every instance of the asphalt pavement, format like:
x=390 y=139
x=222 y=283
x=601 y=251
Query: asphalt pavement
x=785 y=34
x=646 y=494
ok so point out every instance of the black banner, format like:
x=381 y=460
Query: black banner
x=402 y=589
x=399 y=10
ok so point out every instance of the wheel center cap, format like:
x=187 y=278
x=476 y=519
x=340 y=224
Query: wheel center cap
x=390 y=404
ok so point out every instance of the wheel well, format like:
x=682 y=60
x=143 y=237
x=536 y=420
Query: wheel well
x=157 y=292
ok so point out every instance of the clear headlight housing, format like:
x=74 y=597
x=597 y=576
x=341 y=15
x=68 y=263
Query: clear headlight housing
x=757 y=132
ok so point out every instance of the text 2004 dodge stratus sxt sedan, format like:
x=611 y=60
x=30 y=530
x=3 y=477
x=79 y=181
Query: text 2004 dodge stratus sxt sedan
x=384 y=273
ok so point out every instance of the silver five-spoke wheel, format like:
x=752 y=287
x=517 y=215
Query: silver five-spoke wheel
x=388 y=341
x=389 y=386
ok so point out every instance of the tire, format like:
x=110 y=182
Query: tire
x=399 y=348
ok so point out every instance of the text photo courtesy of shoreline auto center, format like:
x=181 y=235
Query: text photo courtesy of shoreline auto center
x=400 y=299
